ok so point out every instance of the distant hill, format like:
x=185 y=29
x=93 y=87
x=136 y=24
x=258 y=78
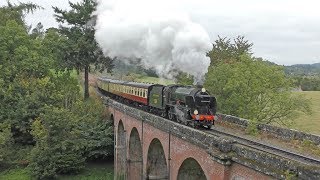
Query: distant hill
x=303 y=69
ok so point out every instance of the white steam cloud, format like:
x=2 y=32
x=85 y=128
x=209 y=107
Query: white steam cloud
x=155 y=34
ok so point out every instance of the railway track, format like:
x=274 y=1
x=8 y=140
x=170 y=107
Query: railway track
x=267 y=148
x=259 y=145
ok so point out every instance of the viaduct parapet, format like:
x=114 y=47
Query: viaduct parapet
x=150 y=147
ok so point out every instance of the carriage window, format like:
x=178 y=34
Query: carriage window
x=146 y=93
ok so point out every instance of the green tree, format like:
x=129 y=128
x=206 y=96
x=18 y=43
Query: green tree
x=96 y=132
x=255 y=90
x=58 y=147
x=67 y=137
x=24 y=72
x=16 y=12
x=184 y=79
x=38 y=31
x=5 y=143
x=224 y=50
x=82 y=49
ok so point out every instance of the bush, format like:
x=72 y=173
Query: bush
x=66 y=138
x=95 y=130
x=5 y=143
x=58 y=147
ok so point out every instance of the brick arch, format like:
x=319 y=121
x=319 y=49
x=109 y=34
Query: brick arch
x=121 y=151
x=191 y=169
x=135 y=156
x=156 y=161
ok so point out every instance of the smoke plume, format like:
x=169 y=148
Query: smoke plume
x=155 y=34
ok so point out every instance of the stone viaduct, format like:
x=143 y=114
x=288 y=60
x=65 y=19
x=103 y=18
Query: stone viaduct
x=150 y=147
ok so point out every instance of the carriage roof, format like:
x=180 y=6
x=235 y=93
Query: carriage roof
x=133 y=84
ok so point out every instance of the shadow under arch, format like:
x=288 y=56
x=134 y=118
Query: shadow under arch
x=191 y=169
x=135 y=156
x=156 y=161
x=112 y=119
x=121 y=151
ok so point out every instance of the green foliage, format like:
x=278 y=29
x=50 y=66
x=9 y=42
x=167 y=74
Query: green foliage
x=252 y=128
x=38 y=31
x=16 y=174
x=39 y=95
x=5 y=143
x=81 y=49
x=67 y=137
x=226 y=51
x=92 y=171
x=290 y=175
x=309 y=83
x=55 y=46
x=306 y=76
x=255 y=90
x=23 y=76
x=96 y=132
x=184 y=79
x=303 y=69
x=16 y=12
x=58 y=148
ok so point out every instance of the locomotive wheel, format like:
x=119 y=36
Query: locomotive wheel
x=209 y=126
x=171 y=116
x=163 y=114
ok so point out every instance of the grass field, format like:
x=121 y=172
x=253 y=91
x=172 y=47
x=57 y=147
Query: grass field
x=92 y=171
x=310 y=122
x=154 y=80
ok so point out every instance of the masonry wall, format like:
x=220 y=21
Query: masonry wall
x=179 y=149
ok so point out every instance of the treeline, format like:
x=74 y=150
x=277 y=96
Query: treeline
x=45 y=123
x=306 y=76
x=303 y=69
x=307 y=83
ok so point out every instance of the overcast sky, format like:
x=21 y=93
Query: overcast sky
x=283 y=31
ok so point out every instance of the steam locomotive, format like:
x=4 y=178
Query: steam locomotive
x=189 y=105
